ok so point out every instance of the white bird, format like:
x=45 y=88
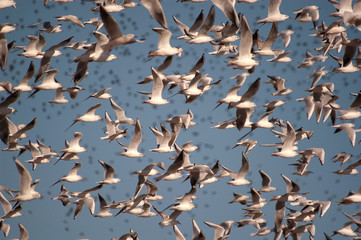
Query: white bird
x=348 y=128
x=227 y=7
x=116 y=38
x=9 y=212
x=307 y=14
x=46 y=57
x=266 y=182
x=353 y=197
x=350 y=170
x=187 y=31
x=120 y=113
x=59 y=97
x=239 y=178
x=89 y=116
x=201 y=36
x=74 y=146
x=113 y=132
x=49 y=82
x=278 y=84
x=245 y=102
x=146 y=210
x=63 y=196
x=178 y=234
x=70 y=18
x=72 y=176
x=266 y=47
x=353 y=110
x=274 y=14
x=164 y=47
x=103 y=211
x=342 y=157
x=287 y=149
x=286 y=36
x=155 y=97
x=168 y=220
x=244 y=59
x=164 y=140
x=26 y=187
x=156 y=10
x=132 y=150
x=108 y=174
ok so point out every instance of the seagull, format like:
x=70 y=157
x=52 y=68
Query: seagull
x=7 y=3
x=108 y=174
x=146 y=211
x=109 y=6
x=266 y=49
x=353 y=197
x=348 y=128
x=120 y=113
x=63 y=196
x=274 y=14
x=89 y=116
x=239 y=178
x=287 y=147
x=85 y=197
x=164 y=140
x=72 y=175
x=227 y=7
x=242 y=199
x=266 y=181
x=164 y=47
x=353 y=110
x=155 y=97
x=244 y=59
x=9 y=212
x=26 y=187
x=342 y=157
x=250 y=144
x=350 y=170
x=257 y=201
x=185 y=203
x=307 y=14
x=116 y=38
x=48 y=54
x=278 y=84
x=4 y=46
x=4 y=105
x=317 y=75
x=102 y=94
x=245 y=102
x=168 y=220
x=95 y=22
x=70 y=18
x=189 y=31
x=132 y=150
x=155 y=9
x=160 y=69
x=172 y=171
x=73 y=146
x=178 y=234
x=143 y=178
x=286 y=36
x=49 y=82
x=113 y=132
x=103 y=211
x=59 y=97
x=202 y=36
x=37 y=157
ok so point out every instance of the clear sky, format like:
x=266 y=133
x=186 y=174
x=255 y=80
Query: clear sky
x=48 y=219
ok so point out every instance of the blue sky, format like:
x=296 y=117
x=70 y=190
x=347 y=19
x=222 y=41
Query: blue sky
x=48 y=219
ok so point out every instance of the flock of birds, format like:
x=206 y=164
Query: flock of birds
x=295 y=213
